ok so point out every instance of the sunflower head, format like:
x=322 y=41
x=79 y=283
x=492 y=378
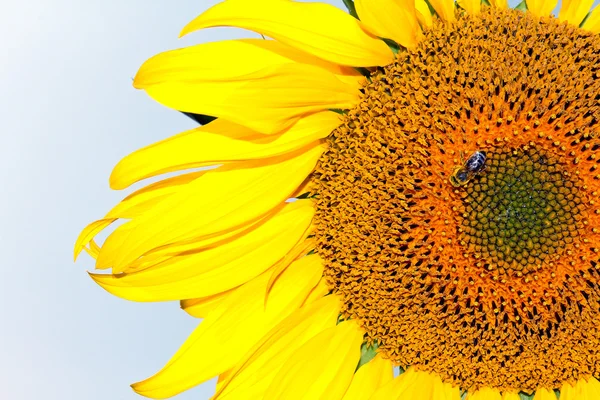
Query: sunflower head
x=414 y=184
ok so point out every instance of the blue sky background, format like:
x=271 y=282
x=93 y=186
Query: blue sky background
x=69 y=114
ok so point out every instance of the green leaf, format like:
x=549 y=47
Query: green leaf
x=367 y=354
x=522 y=6
x=351 y=8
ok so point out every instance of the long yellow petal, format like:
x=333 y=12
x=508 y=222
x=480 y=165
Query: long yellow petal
x=511 y=396
x=219 y=201
x=473 y=7
x=414 y=384
x=316 y=28
x=322 y=368
x=485 y=394
x=235 y=325
x=369 y=378
x=134 y=205
x=200 y=307
x=391 y=19
x=541 y=8
x=218 y=269
x=268 y=101
x=592 y=23
x=423 y=13
x=544 y=394
x=219 y=142
x=444 y=8
x=252 y=376
x=501 y=4
x=574 y=11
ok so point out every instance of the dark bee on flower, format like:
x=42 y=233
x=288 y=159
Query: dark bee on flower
x=473 y=166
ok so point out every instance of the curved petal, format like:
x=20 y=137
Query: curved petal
x=541 y=8
x=485 y=394
x=316 y=28
x=423 y=13
x=219 y=201
x=252 y=376
x=368 y=378
x=444 y=8
x=544 y=394
x=268 y=101
x=414 y=384
x=322 y=368
x=134 y=205
x=574 y=11
x=219 y=142
x=592 y=23
x=235 y=324
x=391 y=19
x=511 y=396
x=219 y=269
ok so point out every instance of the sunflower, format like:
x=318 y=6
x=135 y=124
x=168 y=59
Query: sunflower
x=405 y=203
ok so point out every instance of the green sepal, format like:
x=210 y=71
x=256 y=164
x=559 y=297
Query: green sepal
x=199 y=118
x=392 y=45
x=351 y=8
x=486 y=2
x=585 y=19
x=522 y=6
x=367 y=354
x=525 y=396
x=339 y=111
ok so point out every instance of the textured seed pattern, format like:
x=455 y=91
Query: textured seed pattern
x=494 y=283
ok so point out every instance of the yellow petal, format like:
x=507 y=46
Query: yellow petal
x=592 y=23
x=423 y=13
x=391 y=19
x=134 y=205
x=89 y=232
x=219 y=201
x=574 y=11
x=316 y=28
x=511 y=396
x=544 y=394
x=225 y=60
x=369 y=378
x=414 y=384
x=472 y=7
x=300 y=250
x=268 y=101
x=251 y=377
x=319 y=291
x=501 y=4
x=218 y=269
x=322 y=368
x=219 y=142
x=444 y=8
x=396 y=389
x=232 y=328
x=200 y=307
x=541 y=8
x=485 y=394
x=584 y=389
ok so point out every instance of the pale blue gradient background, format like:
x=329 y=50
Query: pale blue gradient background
x=68 y=114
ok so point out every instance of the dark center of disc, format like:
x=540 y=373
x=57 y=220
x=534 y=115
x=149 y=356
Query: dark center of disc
x=521 y=211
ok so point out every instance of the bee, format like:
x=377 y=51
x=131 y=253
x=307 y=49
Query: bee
x=474 y=165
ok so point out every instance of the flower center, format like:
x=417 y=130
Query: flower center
x=522 y=212
x=482 y=270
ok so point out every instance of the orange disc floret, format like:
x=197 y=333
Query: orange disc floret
x=485 y=283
